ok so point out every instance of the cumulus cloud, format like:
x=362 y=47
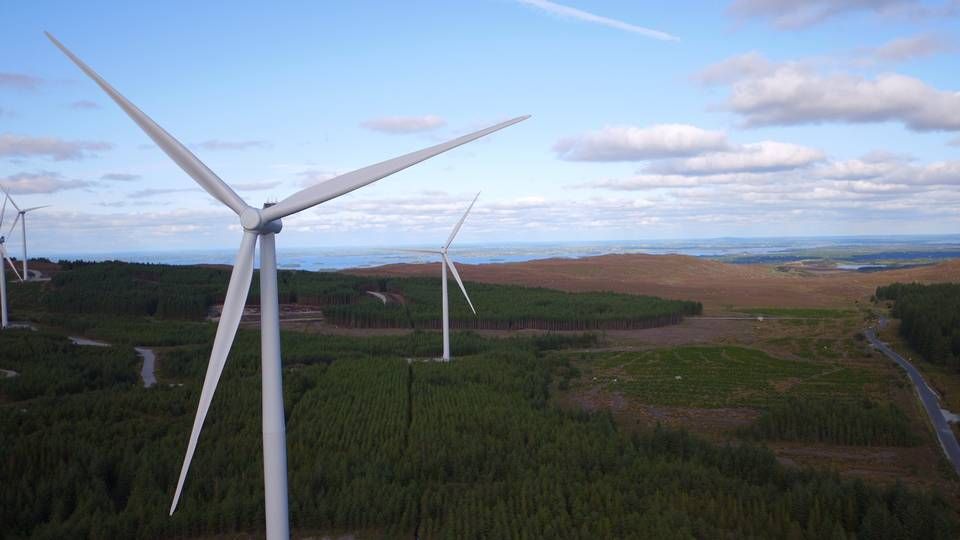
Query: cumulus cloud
x=631 y=143
x=792 y=94
x=429 y=215
x=20 y=146
x=398 y=125
x=120 y=177
x=215 y=144
x=764 y=156
x=572 y=13
x=794 y=14
x=41 y=182
x=20 y=81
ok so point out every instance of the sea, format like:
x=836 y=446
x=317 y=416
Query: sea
x=338 y=258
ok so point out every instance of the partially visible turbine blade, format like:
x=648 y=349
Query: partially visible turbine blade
x=25 y=210
x=456 y=276
x=7 y=193
x=460 y=223
x=172 y=147
x=3 y=210
x=14 y=224
x=350 y=181
x=226 y=331
x=12 y=266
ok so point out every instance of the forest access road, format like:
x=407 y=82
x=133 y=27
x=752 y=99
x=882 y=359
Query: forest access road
x=948 y=441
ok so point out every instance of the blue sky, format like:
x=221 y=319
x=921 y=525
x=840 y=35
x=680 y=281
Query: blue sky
x=753 y=118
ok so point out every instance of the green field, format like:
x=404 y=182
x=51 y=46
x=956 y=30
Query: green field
x=724 y=377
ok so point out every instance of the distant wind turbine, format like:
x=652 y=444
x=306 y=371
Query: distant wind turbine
x=445 y=263
x=4 y=321
x=262 y=224
x=22 y=218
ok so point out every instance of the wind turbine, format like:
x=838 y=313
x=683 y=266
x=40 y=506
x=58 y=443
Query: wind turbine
x=445 y=263
x=4 y=321
x=262 y=224
x=22 y=218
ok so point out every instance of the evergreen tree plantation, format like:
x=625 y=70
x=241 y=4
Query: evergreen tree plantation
x=394 y=447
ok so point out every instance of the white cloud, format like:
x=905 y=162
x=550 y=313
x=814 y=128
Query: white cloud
x=151 y=192
x=26 y=146
x=751 y=64
x=310 y=177
x=794 y=14
x=20 y=81
x=573 y=13
x=764 y=156
x=257 y=186
x=630 y=143
x=216 y=144
x=41 y=182
x=792 y=94
x=84 y=104
x=903 y=49
x=396 y=125
x=120 y=177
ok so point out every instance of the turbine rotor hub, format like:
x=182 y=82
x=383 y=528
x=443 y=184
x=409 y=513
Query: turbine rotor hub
x=250 y=219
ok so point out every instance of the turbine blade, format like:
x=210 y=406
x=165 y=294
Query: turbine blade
x=12 y=266
x=172 y=147
x=14 y=224
x=3 y=210
x=456 y=276
x=350 y=181
x=227 y=329
x=25 y=210
x=7 y=193
x=460 y=223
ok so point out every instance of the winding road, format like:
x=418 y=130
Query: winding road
x=147 y=355
x=929 y=398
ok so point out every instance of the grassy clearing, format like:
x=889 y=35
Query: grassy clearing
x=715 y=377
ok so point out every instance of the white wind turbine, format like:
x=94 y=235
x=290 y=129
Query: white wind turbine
x=445 y=263
x=22 y=218
x=4 y=321
x=263 y=224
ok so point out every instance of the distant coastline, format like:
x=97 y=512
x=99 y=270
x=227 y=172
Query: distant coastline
x=846 y=252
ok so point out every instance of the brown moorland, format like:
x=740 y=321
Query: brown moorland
x=719 y=286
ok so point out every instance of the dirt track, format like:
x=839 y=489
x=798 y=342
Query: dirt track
x=720 y=286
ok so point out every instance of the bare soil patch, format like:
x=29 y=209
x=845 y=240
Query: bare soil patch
x=720 y=286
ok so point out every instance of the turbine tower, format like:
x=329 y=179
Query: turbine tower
x=260 y=224
x=445 y=263
x=22 y=218
x=4 y=320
